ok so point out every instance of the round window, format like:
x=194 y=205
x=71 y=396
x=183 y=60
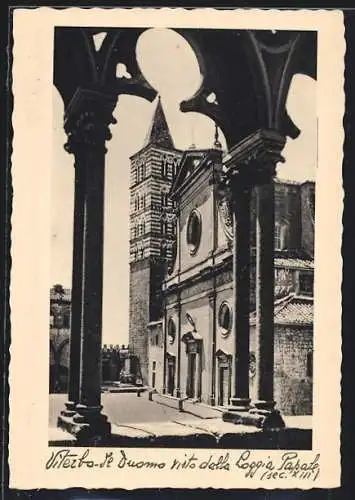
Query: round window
x=194 y=231
x=225 y=318
x=171 y=331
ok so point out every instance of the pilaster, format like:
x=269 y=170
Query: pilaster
x=213 y=329
x=178 y=364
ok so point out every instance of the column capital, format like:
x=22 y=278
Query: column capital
x=251 y=162
x=87 y=119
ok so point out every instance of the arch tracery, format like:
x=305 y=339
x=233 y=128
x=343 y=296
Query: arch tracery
x=250 y=69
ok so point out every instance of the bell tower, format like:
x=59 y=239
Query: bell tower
x=152 y=230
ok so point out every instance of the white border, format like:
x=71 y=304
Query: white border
x=32 y=88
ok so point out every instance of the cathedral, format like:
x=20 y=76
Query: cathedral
x=181 y=281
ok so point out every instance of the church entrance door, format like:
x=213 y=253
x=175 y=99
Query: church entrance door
x=191 y=375
x=224 y=377
x=223 y=386
x=171 y=376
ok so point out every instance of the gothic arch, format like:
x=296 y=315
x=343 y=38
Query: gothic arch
x=75 y=54
x=244 y=69
x=249 y=70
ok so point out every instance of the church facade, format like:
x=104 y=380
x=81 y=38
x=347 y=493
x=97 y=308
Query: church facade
x=185 y=342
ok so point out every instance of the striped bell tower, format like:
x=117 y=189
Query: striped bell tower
x=152 y=230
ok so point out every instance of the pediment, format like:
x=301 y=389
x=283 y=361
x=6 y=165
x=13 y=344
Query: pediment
x=190 y=162
x=220 y=353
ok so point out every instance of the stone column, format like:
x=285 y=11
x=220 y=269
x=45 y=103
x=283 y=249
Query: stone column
x=264 y=328
x=241 y=292
x=87 y=121
x=76 y=302
x=165 y=337
x=252 y=163
x=212 y=310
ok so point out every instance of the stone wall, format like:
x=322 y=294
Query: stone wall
x=293 y=385
x=59 y=359
x=293 y=381
x=308 y=214
x=139 y=304
x=156 y=356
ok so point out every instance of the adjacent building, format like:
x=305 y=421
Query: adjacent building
x=181 y=288
x=119 y=363
x=59 y=337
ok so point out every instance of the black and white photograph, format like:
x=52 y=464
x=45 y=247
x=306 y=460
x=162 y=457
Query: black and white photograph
x=185 y=259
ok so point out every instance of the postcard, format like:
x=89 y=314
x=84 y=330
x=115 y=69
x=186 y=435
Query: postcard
x=176 y=248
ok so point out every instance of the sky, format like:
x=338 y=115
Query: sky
x=170 y=66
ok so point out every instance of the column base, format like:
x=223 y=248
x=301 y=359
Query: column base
x=239 y=404
x=269 y=416
x=261 y=414
x=212 y=400
x=69 y=409
x=89 y=426
x=177 y=393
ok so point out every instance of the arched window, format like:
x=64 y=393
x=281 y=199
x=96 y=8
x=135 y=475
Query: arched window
x=164 y=199
x=306 y=283
x=164 y=165
x=281 y=235
x=225 y=318
x=175 y=167
x=171 y=331
x=194 y=230
x=163 y=250
x=169 y=168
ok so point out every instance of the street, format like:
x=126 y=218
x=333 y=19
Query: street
x=123 y=408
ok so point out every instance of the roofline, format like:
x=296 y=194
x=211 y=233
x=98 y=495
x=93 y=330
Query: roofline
x=280 y=180
x=290 y=323
x=154 y=146
x=205 y=154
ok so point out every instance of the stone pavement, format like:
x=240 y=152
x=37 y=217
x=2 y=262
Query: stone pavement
x=123 y=408
x=138 y=422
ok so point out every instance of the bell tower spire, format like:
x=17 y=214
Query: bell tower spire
x=159 y=133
